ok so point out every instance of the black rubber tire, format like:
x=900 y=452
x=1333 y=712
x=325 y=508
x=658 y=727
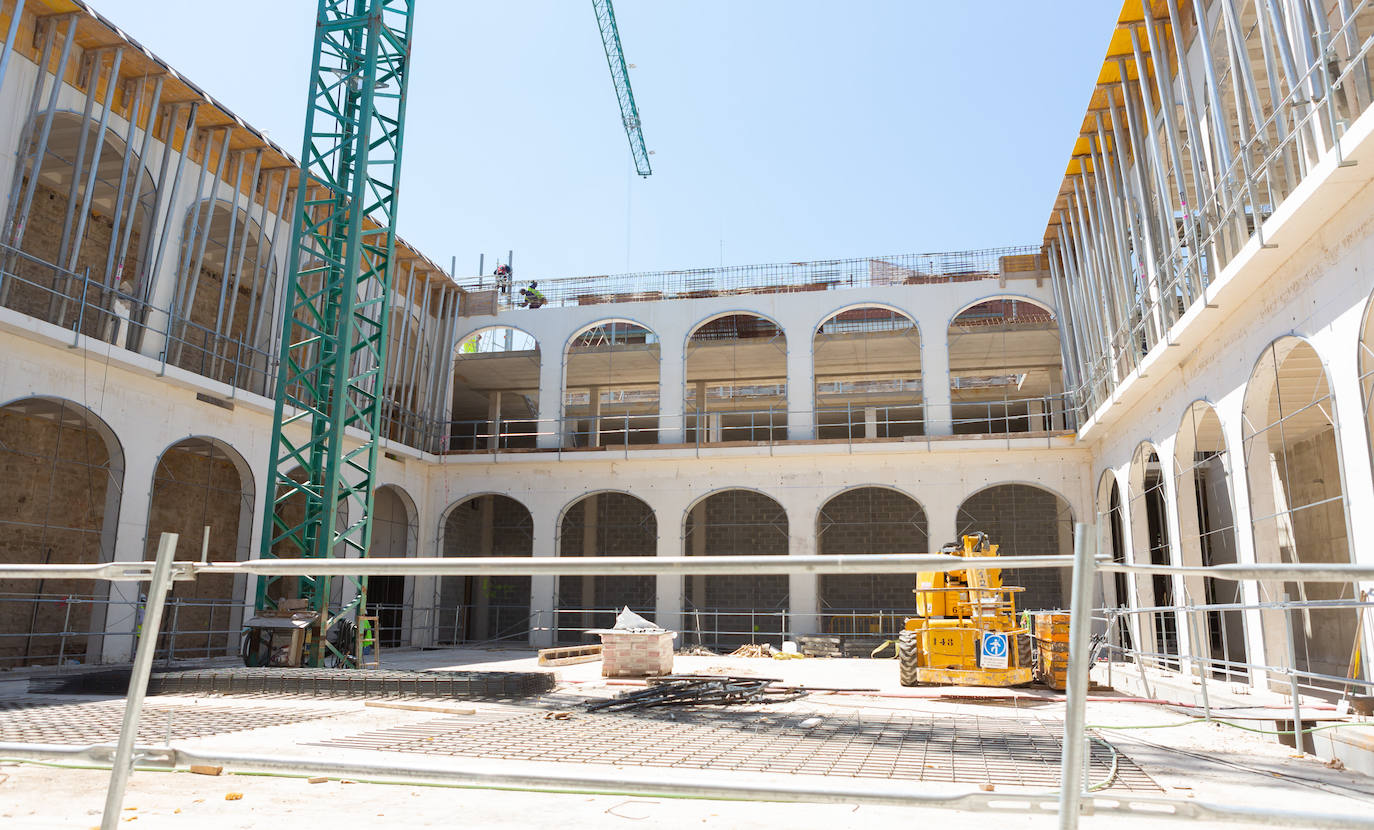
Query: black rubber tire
x=908 y=658
x=1024 y=651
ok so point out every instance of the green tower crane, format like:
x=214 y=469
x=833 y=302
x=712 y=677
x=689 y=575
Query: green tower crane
x=620 y=76
x=334 y=333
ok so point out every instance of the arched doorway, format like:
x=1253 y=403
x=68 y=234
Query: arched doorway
x=495 y=391
x=610 y=386
x=1207 y=534
x=61 y=474
x=1006 y=370
x=203 y=491
x=485 y=608
x=390 y=598
x=604 y=524
x=224 y=290
x=60 y=244
x=869 y=520
x=726 y=611
x=1297 y=501
x=1150 y=545
x=867 y=364
x=1024 y=520
x=736 y=374
x=1112 y=535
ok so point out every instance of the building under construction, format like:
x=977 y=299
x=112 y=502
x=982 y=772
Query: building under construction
x=1184 y=360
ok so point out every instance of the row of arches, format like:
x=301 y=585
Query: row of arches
x=62 y=476
x=78 y=210
x=1293 y=476
x=868 y=519
x=1005 y=375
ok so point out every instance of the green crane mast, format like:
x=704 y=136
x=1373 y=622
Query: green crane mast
x=620 y=76
x=334 y=332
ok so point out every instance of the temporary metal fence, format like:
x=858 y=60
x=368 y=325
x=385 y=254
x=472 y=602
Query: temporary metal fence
x=1069 y=802
x=771 y=278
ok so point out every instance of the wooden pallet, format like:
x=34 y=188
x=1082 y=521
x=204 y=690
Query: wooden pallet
x=568 y=655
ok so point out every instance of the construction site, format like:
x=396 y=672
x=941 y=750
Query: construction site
x=297 y=520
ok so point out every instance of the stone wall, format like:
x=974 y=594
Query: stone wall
x=195 y=485
x=625 y=526
x=870 y=520
x=1022 y=520
x=54 y=481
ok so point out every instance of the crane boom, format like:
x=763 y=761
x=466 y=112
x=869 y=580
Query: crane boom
x=615 y=59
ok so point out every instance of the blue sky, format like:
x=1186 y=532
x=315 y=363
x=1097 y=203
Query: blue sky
x=783 y=130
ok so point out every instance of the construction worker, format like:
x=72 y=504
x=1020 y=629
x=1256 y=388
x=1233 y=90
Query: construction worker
x=532 y=297
x=503 y=278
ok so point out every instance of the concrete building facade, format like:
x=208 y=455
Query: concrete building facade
x=1172 y=363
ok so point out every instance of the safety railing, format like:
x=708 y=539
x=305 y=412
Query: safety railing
x=772 y=278
x=770 y=425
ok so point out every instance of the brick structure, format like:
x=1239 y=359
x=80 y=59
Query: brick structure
x=623 y=526
x=481 y=608
x=56 y=476
x=869 y=520
x=737 y=523
x=1022 y=520
x=196 y=484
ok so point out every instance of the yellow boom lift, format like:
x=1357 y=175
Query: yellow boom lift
x=965 y=631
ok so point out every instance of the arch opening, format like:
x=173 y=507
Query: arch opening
x=736 y=376
x=57 y=246
x=485 y=608
x=495 y=391
x=390 y=597
x=61 y=474
x=1024 y=520
x=225 y=288
x=1150 y=545
x=868 y=520
x=610 y=386
x=604 y=524
x=1207 y=535
x=1116 y=591
x=203 y=490
x=1006 y=370
x=1297 y=501
x=728 y=611
x=868 y=375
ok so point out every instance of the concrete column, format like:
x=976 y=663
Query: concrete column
x=594 y=416
x=550 y=427
x=494 y=419
x=1056 y=404
x=129 y=545
x=1183 y=622
x=870 y=422
x=803 y=589
x=671 y=389
x=801 y=385
x=668 y=587
x=543 y=589
x=935 y=381
x=1229 y=411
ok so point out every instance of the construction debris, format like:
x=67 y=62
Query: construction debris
x=569 y=655
x=753 y=650
x=695 y=689
x=206 y=769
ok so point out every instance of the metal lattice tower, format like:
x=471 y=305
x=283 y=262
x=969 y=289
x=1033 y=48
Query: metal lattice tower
x=335 y=327
x=620 y=76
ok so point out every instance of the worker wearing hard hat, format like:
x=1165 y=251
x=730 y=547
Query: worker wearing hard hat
x=532 y=297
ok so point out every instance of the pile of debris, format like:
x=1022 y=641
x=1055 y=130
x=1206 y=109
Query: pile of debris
x=696 y=689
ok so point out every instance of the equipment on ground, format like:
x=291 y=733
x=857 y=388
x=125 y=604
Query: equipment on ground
x=965 y=632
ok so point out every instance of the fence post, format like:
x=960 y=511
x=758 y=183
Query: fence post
x=122 y=763
x=1292 y=673
x=1196 y=637
x=1073 y=761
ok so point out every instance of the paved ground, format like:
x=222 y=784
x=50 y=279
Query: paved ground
x=889 y=740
